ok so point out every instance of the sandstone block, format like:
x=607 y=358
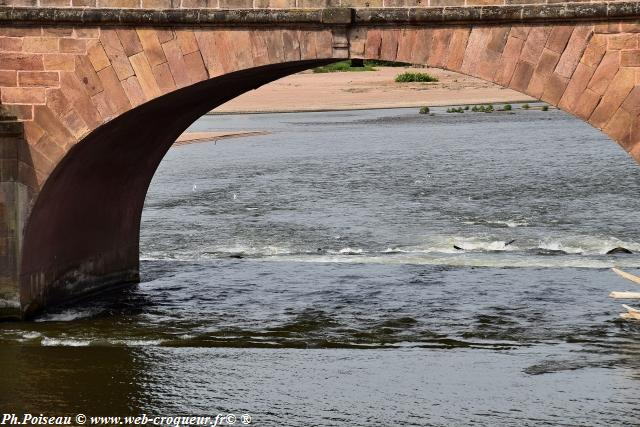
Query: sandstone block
x=76 y=46
x=115 y=51
x=630 y=58
x=151 y=46
x=10 y=44
x=59 y=62
x=38 y=78
x=8 y=78
x=23 y=95
x=20 y=61
x=41 y=44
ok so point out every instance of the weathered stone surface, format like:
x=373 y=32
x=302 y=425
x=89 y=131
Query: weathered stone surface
x=133 y=90
x=111 y=45
x=98 y=57
x=604 y=72
x=41 y=44
x=21 y=61
x=151 y=46
x=11 y=44
x=59 y=62
x=521 y=76
x=38 y=78
x=116 y=98
x=389 y=44
x=542 y=72
x=573 y=51
x=576 y=87
x=554 y=89
x=630 y=58
x=8 y=78
x=23 y=95
x=559 y=37
x=77 y=46
x=145 y=75
x=535 y=42
x=615 y=94
x=458 y=45
x=509 y=60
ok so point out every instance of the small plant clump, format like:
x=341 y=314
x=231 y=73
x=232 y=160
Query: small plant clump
x=424 y=110
x=482 y=108
x=455 y=110
x=507 y=107
x=466 y=107
x=525 y=106
x=545 y=108
x=409 y=77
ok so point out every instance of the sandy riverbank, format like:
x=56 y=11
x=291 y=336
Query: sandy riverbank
x=308 y=91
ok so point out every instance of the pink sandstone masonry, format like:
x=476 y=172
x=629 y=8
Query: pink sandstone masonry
x=90 y=110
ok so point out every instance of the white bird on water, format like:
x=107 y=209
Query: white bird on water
x=235 y=196
x=194 y=187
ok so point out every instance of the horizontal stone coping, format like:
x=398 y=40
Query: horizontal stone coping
x=326 y=16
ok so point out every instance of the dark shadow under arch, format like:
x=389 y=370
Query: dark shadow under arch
x=83 y=232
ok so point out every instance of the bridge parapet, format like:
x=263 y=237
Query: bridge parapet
x=337 y=16
x=274 y=4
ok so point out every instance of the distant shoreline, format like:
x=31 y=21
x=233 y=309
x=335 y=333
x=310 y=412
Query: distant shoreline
x=197 y=137
x=372 y=107
x=367 y=90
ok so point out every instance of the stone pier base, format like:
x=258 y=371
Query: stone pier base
x=14 y=205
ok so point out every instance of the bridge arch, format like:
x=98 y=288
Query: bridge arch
x=83 y=232
x=98 y=137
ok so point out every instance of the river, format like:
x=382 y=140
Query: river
x=309 y=277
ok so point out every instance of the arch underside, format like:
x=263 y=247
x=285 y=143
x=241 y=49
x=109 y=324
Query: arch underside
x=82 y=235
x=83 y=232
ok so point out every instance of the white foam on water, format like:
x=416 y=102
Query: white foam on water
x=347 y=251
x=266 y=250
x=588 y=245
x=482 y=260
x=136 y=343
x=217 y=252
x=445 y=245
x=31 y=335
x=68 y=315
x=62 y=342
x=480 y=250
x=511 y=223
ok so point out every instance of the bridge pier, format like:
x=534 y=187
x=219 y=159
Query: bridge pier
x=14 y=205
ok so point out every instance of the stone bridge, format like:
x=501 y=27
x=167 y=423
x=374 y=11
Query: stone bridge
x=94 y=92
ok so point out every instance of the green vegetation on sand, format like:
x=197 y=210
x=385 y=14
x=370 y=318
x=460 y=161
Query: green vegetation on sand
x=409 y=77
x=369 y=65
x=482 y=108
x=342 y=66
x=379 y=63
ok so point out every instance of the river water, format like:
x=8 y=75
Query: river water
x=309 y=277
